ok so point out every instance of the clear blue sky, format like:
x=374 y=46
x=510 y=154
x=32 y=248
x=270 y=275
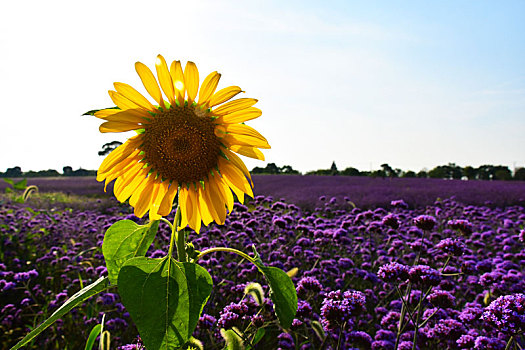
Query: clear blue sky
x=411 y=83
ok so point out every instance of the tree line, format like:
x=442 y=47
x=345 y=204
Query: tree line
x=449 y=171
x=66 y=171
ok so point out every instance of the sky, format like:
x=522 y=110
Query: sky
x=414 y=84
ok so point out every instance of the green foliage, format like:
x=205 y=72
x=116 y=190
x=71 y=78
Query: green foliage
x=282 y=291
x=271 y=168
x=124 y=240
x=165 y=299
x=233 y=339
x=78 y=298
x=95 y=331
x=255 y=290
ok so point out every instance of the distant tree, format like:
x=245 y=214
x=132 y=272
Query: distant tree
x=67 y=170
x=42 y=173
x=485 y=172
x=13 y=172
x=84 y=172
x=108 y=147
x=502 y=173
x=333 y=169
x=422 y=174
x=409 y=173
x=519 y=174
x=388 y=171
x=449 y=171
x=288 y=170
x=350 y=172
x=470 y=172
x=378 y=173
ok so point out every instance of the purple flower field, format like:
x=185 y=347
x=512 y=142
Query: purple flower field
x=365 y=192
x=445 y=272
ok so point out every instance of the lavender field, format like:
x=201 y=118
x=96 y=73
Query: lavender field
x=365 y=192
x=407 y=263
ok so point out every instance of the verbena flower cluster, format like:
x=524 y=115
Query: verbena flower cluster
x=348 y=262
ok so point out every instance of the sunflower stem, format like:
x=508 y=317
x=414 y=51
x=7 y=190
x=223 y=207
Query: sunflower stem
x=175 y=236
x=224 y=249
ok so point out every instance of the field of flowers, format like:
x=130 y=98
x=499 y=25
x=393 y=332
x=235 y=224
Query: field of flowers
x=443 y=272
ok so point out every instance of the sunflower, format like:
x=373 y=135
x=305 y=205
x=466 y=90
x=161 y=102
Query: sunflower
x=185 y=145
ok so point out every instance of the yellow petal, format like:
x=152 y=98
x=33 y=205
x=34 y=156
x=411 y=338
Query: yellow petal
x=149 y=82
x=238 y=163
x=225 y=192
x=145 y=198
x=118 y=126
x=191 y=80
x=177 y=76
x=185 y=207
x=121 y=101
x=244 y=140
x=224 y=95
x=240 y=116
x=194 y=220
x=235 y=177
x=217 y=200
x=133 y=95
x=131 y=182
x=241 y=129
x=103 y=113
x=203 y=206
x=234 y=106
x=128 y=116
x=167 y=202
x=121 y=168
x=159 y=196
x=139 y=191
x=118 y=154
x=165 y=78
x=208 y=88
x=246 y=151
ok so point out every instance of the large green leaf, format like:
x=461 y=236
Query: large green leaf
x=164 y=298
x=124 y=240
x=78 y=298
x=282 y=294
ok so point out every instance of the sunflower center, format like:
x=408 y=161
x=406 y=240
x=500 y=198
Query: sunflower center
x=181 y=144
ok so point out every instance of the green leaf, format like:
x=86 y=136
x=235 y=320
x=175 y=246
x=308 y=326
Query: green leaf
x=93 y=111
x=124 y=240
x=20 y=185
x=232 y=339
x=164 y=298
x=258 y=336
x=92 y=337
x=282 y=294
x=78 y=298
x=9 y=181
x=8 y=190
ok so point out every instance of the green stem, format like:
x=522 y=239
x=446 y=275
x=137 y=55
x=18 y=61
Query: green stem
x=167 y=222
x=176 y=223
x=509 y=343
x=224 y=249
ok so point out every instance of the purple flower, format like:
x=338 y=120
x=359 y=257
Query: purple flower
x=507 y=314
x=424 y=275
x=308 y=285
x=451 y=246
x=393 y=272
x=441 y=298
x=206 y=321
x=463 y=225
x=425 y=222
x=391 y=220
x=337 y=308
x=485 y=343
